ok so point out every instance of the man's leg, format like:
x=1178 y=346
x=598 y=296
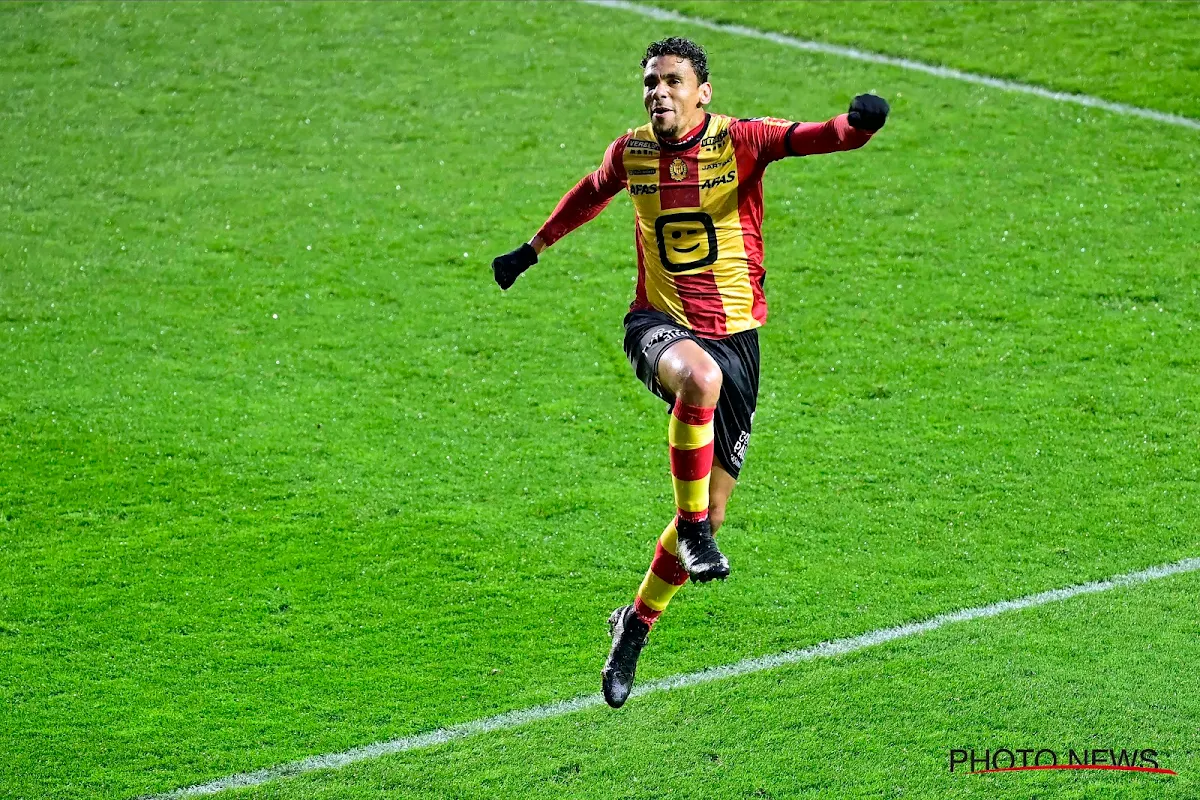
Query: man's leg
x=694 y=378
x=690 y=374
x=719 y=490
x=666 y=575
x=672 y=364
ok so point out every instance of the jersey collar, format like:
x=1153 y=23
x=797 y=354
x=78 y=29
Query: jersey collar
x=691 y=140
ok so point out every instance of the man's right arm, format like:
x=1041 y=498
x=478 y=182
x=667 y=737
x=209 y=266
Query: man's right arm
x=578 y=206
x=588 y=197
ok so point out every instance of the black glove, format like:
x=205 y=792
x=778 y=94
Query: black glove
x=868 y=112
x=507 y=267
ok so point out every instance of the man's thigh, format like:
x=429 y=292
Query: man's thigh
x=648 y=337
x=738 y=358
x=651 y=341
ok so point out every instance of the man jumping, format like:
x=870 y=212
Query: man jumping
x=691 y=333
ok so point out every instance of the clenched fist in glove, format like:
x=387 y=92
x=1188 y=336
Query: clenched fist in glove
x=509 y=266
x=868 y=112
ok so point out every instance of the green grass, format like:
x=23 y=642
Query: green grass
x=260 y=501
x=826 y=728
x=1142 y=53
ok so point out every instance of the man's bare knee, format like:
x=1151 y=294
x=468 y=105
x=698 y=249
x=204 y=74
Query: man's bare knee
x=690 y=374
x=701 y=384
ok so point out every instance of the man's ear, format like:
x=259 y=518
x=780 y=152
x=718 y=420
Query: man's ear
x=705 y=93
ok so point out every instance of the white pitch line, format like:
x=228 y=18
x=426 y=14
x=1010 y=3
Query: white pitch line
x=514 y=719
x=903 y=63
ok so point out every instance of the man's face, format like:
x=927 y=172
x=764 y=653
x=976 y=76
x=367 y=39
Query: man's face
x=673 y=95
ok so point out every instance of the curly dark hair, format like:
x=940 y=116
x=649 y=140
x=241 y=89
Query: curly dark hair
x=684 y=48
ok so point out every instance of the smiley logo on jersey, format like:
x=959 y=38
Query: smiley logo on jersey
x=686 y=241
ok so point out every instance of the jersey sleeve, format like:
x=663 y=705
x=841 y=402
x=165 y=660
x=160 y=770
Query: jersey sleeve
x=772 y=139
x=588 y=197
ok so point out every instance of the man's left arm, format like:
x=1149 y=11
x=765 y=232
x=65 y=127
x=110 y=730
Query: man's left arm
x=847 y=131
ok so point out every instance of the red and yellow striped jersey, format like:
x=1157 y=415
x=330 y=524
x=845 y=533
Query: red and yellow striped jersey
x=698 y=207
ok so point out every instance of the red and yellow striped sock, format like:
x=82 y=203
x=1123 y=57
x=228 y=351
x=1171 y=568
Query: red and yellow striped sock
x=662 y=580
x=690 y=435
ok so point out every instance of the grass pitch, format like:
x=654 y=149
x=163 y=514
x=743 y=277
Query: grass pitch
x=284 y=473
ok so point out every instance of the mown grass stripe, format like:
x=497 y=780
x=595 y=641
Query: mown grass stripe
x=514 y=719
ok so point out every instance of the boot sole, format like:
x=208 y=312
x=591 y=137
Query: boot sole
x=707 y=577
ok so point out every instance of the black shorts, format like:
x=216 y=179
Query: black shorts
x=647 y=336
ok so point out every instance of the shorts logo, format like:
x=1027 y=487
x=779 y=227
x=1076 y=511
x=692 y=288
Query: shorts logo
x=679 y=170
x=663 y=334
x=739 y=449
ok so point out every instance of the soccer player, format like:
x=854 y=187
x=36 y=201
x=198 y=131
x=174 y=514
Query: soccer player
x=691 y=334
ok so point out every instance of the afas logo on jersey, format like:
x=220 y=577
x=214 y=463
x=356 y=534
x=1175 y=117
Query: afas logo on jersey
x=728 y=177
x=642 y=188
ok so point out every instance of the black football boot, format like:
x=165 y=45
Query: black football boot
x=698 y=551
x=629 y=637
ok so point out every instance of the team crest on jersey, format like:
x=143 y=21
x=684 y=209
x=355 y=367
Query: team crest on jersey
x=678 y=170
